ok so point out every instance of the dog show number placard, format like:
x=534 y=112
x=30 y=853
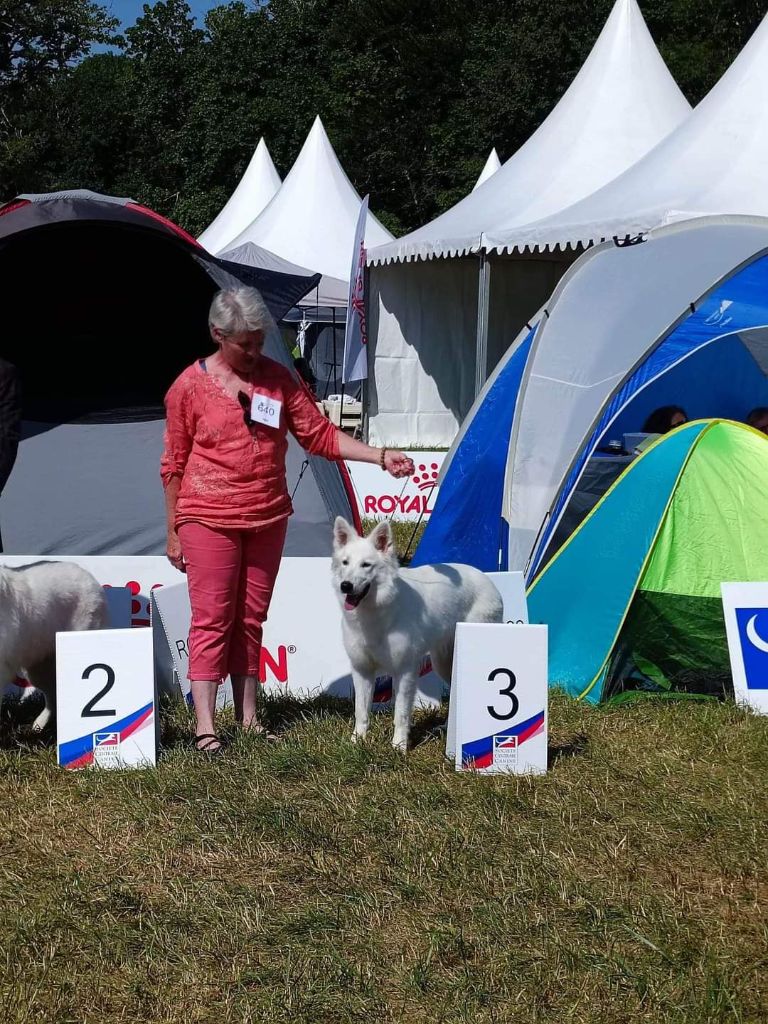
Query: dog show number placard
x=497 y=720
x=105 y=699
x=745 y=607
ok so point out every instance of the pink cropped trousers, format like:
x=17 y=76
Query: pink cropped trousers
x=231 y=576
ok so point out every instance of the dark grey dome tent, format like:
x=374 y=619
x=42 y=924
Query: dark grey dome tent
x=104 y=302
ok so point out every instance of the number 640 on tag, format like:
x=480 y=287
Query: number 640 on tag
x=105 y=699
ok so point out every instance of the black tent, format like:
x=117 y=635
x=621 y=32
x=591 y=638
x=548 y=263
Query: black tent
x=104 y=302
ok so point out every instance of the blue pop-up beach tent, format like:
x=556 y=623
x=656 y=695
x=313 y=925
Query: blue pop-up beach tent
x=681 y=317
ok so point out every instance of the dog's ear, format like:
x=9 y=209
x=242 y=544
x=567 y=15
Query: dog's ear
x=342 y=532
x=381 y=537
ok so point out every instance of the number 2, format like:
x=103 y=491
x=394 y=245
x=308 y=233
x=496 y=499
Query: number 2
x=89 y=711
x=504 y=692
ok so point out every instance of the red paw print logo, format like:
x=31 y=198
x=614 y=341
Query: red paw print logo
x=426 y=478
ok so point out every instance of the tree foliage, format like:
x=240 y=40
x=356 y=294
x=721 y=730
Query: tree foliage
x=413 y=95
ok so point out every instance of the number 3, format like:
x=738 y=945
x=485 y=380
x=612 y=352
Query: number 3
x=89 y=711
x=505 y=692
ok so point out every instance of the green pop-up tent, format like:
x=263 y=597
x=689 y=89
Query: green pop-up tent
x=632 y=600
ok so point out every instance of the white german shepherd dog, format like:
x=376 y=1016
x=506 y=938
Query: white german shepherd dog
x=36 y=602
x=392 y=617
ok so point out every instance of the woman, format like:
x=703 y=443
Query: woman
x=662 y=420
x=223 y=469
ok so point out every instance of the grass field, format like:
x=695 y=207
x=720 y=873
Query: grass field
x=315 y=881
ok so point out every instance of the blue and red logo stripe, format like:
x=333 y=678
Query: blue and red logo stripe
x=479 y=753
x=79 y=753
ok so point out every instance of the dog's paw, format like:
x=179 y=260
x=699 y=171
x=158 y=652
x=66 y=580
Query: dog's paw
x=400 y=743
x=358 y=737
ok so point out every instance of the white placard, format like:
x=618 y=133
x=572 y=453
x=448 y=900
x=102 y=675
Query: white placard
x=498 y=714
x=381 y=496
x=105 y=699
x=511 y=586
x=745 y=607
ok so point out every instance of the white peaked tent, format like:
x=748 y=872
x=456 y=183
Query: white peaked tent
x=438 y=326
x=492 y=164
x=256 y=188
x=311 y=221
x=716 y=162
x=621 y=104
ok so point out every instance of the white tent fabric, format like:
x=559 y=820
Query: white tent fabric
x=622 y=103
x=716 y=162
x=492 y=164
x=311 y=221
x=256 y=188
x=608 y=311
x=424 y=332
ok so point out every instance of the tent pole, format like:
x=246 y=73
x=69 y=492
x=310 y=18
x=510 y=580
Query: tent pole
x=341 y=406
x=481 y=347
x=333 y=317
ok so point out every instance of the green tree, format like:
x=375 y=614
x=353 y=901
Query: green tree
x=40 y=41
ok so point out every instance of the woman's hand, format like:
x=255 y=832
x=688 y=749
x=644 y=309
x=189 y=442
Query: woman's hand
x=173 y=551
x=397 y=463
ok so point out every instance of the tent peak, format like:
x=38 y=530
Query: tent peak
x=622 y=102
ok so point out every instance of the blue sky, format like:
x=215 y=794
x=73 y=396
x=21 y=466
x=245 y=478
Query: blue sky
x=129 y=10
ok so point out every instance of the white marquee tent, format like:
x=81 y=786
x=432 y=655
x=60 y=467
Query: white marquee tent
x=716 y=162
x=438 y=326
x=311 y=221
x=492 y=164
x=256 y=188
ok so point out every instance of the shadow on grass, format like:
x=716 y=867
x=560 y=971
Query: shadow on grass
x=278 y=713
x=573 y=747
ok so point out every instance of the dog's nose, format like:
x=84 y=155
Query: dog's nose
x=346 y=587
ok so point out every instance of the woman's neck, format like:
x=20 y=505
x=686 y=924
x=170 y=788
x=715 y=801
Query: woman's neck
x=219 y=365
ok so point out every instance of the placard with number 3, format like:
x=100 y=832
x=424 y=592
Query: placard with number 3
x=105 y=699
x=497 y=719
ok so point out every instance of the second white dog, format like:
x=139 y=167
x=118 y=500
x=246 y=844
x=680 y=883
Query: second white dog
x=36 y=602
x=392 y=617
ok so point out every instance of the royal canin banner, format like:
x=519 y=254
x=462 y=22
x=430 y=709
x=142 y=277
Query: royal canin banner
x=381 y=496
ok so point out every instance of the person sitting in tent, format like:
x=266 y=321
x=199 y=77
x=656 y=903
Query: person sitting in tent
x=664 y=419
x=758 y=418
x=223 y=470
x=10 y=421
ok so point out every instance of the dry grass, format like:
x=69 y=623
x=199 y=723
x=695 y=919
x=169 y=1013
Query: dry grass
x=406 y=536
x=315 y=881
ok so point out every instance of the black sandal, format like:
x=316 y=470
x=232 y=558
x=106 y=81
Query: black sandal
x=210 y=738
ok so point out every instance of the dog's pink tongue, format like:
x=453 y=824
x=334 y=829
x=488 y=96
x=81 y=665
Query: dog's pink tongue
x=349 y=605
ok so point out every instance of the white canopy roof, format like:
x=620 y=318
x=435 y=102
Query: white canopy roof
x=312 y=219
x=257 y=186
x=716 y=162
x=621 y=103
x=492 y=164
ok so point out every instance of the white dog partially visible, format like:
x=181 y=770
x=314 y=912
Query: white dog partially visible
x=36 y=602
x=392 y=617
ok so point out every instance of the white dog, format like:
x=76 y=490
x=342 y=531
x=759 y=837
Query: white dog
x=36 y=602
x=392 y=617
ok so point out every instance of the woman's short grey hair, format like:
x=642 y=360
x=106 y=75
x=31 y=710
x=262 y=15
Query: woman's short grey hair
x=239 y=309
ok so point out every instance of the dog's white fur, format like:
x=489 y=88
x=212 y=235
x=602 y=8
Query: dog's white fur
x=36 y=602
x=402 y=615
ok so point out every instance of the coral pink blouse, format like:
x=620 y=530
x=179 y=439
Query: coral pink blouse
x=233 y=475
